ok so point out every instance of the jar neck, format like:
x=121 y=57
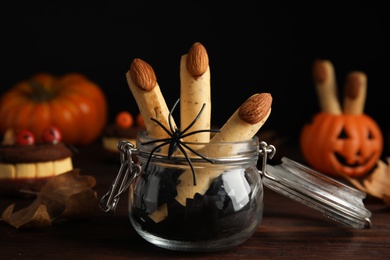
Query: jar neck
x=218 y=152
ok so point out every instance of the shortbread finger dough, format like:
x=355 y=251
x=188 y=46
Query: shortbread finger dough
x=194 y=93
x=355 y=93
x=326 y=86
x=241 y=126
x=151 y=103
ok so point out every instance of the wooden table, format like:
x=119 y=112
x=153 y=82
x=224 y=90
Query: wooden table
x=288 y=230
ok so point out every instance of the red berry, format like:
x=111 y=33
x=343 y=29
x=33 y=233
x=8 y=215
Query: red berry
x=140 y=120
x=24 y=137
x=51 y=134
x=124 y=119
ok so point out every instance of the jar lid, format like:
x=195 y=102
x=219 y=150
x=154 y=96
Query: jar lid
x=332 y=198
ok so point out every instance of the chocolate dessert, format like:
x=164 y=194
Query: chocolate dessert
x=25 y=168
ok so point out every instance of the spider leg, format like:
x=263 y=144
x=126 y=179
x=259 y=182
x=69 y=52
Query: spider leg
x=152 y=152
x=195 y=152
x=189 y=162
x=170 y=141
x=195 y=119
x=173 y=135
x=175 y=139
x=162 y=126
x=170 y=115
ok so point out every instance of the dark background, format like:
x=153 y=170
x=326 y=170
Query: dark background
x=266 y=46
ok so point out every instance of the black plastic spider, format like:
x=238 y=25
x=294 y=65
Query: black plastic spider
x=175 y=141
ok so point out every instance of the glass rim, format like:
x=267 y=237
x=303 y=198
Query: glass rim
x=255 y=138
x=217 y=152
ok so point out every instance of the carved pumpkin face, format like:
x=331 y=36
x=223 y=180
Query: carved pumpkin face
x=342 y=144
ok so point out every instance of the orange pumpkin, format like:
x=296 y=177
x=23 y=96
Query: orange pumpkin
x=71 y=102
x=338 y=144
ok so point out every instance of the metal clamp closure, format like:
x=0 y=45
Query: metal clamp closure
x=128 y=171
x=266 y=151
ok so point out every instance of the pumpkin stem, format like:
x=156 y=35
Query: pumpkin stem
x=39 y=93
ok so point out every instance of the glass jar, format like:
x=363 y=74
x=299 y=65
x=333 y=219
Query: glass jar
x=215 y=205
x=210 y=201
x=203 y=197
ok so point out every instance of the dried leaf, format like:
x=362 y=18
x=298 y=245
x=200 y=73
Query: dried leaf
x=31 y=216
x=66 y=196
x=69 y=195
x=376 y=183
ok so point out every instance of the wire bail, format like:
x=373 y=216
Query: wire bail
x=109 y=201
x=266 y=151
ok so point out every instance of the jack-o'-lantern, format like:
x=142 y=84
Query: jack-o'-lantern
x=341 y=141
x=342 y=144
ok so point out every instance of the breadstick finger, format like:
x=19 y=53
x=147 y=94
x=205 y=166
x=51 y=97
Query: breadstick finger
x=325 y=82
x=195 y=92
x=151 y=103
x=246 y=120
x=355 y=93
x=241 y=126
